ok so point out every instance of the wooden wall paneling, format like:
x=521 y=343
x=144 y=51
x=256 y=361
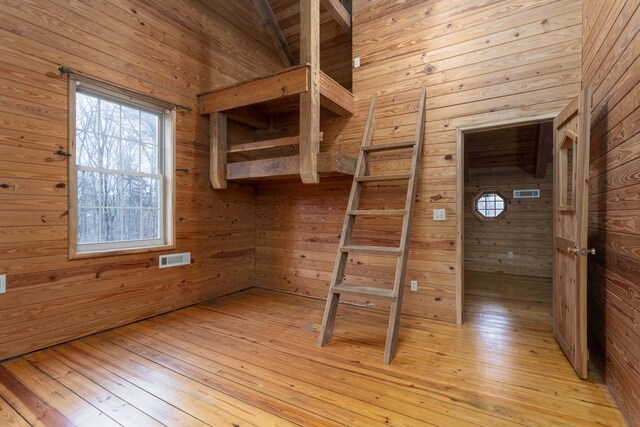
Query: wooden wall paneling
x=481 y=63
x=611 y=68
x=525 y=229
x=157 y=49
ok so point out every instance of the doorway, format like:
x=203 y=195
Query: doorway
x=506 y=223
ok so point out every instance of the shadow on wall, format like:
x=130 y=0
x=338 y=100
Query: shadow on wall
x=596 y=292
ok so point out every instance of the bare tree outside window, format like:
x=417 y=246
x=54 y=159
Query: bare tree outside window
x=119 y=174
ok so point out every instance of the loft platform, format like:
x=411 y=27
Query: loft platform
x=252 y=102
x=299 y=93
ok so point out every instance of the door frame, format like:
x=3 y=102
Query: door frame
x=460 y=131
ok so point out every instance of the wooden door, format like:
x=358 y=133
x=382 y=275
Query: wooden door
x=571 y=193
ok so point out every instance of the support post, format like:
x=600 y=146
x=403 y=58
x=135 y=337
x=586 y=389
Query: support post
x=545 y=141
x=310 y=100
x=218 y=150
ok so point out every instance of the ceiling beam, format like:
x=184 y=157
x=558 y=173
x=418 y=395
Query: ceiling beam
x=545 y=141
x=339 y=13
x=270 y=22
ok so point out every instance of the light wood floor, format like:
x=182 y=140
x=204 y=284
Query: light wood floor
x=250 y=359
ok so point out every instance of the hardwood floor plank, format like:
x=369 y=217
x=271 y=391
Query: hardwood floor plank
x=250 y=359
x=105 y=401
x=9 y=416
x=125 y=390
x=44 y=401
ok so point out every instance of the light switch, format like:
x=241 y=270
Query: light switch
x=439 y=215
x=3 y=283
x=356 y=62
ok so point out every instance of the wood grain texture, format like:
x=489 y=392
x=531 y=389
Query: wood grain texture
x=482 y=62
x=160 y=49
x=525 y=229
x=612 y=70
x=250 y=359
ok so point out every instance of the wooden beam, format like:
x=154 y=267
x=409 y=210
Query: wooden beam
x=545 y=141
x=466 y=165
x=218 y=149
x=310 y=100
x=339 y=13
x=291 y=81
x=270 y=22
x=264 y=145
x=267 y=144
x=250 y=116
x=334 y=97
x=288 y=167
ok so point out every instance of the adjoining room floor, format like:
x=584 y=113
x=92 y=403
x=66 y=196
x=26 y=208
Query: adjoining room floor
x=251 y=359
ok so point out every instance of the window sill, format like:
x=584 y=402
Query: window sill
x=143 y=250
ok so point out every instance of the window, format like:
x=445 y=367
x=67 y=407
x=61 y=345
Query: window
x=123 y=166
x=489 y=205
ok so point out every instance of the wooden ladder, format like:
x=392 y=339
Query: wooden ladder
x=361 y=175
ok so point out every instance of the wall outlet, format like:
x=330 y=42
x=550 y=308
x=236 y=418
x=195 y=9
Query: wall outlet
x=3 y=283
x=510 y=255
x=439 y=215
x=414 y=285
x=356 y=62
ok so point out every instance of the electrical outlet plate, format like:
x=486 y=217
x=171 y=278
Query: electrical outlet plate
x=510 y=255
x=439 y=215
x=3 y=283
x=356 y=62
x=414 y=285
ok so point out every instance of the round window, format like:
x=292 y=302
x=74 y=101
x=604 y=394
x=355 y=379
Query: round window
x=489 y=205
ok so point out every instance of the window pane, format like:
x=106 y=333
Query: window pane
x=149 y=128
x=114 y=206
x=130 y=156
x=110 y=152
x=130 y=123
x=150 y=188
x=131 y=222
x=151 y=230
x=88 y=188
x=86 y=112
x=88 y=225
x=88 y=149
x=111 y=185
x=109 y=118
x=490 y=205
x=149 y=158
x=111 y=225
x=131 y=191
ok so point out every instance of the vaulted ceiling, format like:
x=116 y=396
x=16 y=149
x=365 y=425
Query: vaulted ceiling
x=515 y=146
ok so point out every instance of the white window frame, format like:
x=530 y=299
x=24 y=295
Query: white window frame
x=480 y=215
x=165 y=173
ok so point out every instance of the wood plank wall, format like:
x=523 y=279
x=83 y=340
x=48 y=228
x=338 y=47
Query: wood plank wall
x=612 y=69
x=526 y=228
x=171 y=50
x=335 y=45
x=482 y=62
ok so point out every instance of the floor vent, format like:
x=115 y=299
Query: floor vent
x=175 y=260
x=526 y=194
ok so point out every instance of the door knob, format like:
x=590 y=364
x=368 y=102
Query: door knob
x=586 y=251
x=573 y=250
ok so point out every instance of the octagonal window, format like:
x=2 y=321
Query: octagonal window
x=489 y=205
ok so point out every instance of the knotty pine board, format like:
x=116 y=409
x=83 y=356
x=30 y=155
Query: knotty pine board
x=161 y=49
x=612 y=69
x=482 y=63
x=526 y=228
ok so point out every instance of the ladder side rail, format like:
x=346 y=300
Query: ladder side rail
x=333 y=298
x=401 y=265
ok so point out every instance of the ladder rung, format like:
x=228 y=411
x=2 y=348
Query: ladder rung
x=345 y=288
x=379 y=212
x=388 y=147
x=383 y=178
x=377 y=250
